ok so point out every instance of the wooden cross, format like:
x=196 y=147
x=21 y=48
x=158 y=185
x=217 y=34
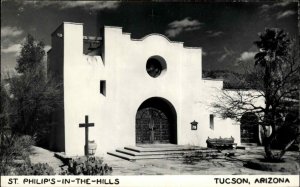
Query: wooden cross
x=86 y=125
x=151 y=126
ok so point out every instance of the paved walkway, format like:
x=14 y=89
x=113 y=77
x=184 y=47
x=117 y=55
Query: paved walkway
x=41 y=155
x=228 y=166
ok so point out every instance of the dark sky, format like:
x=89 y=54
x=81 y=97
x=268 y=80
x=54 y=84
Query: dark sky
x=225 y=31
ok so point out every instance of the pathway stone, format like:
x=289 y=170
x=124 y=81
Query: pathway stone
x=41 y=155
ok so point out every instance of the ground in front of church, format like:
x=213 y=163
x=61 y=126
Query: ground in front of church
x=224 y=166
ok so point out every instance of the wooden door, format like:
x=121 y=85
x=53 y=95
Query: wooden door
x=152 y=126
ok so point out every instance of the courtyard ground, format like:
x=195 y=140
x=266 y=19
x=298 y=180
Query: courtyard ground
x=225 y=166
x=41 y=155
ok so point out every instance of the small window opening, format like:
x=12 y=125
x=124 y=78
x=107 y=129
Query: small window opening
x=211 y=121
x=103 y=87
x=156 y=66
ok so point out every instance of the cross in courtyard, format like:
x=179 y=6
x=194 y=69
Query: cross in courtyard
x=86 y=125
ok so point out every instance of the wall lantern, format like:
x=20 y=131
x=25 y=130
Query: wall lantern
x=194 y=125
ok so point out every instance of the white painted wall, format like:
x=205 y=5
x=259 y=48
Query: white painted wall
x=128 y=85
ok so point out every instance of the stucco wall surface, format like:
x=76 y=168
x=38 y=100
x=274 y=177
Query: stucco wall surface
x=128 y=85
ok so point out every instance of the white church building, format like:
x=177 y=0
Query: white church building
x=135 y=91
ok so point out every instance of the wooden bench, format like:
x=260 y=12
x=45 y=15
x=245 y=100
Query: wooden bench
x=221 y=143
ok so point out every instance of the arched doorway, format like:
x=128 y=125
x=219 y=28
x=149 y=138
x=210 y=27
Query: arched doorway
x=156 y=122
x=249 y=128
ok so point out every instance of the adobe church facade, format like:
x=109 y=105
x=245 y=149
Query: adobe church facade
x=136 y=91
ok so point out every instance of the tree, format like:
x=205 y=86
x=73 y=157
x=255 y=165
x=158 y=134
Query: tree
x=275 y=77
x=27 y=102
x=35 y=96
x=12 y=146
x=31 y=55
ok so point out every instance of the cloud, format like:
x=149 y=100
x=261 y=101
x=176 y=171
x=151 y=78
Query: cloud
x=222 y=58
x=266 y=7
x=285 y=14
x=214 y=33
x=9 y=31
x=14 y=48
x=245 y=56
x=177 y=27
x=282 y=4
x=267 y=10
x=7 y=71
x=227 y=53
x=92 y=5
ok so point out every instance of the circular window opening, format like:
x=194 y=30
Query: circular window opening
x=156 y=66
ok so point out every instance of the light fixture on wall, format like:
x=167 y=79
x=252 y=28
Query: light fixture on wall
x=194 y=125
x=60 y=35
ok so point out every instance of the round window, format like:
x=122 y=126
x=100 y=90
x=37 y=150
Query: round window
x=155 y=66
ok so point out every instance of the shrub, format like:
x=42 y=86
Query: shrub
x=84 y=166
x=22 y=146
x=14 y=148
x=35 y=169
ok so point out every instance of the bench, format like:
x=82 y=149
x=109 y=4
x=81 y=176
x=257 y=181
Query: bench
x=221 y=143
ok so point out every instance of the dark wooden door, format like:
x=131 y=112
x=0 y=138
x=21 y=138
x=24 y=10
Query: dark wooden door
x=249 y=133
x=249 y=128
x=152 y=126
